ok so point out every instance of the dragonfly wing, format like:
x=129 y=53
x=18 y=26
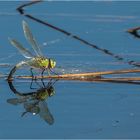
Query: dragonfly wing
x=21 y=49
x=15 y=101
x=31 y=39
x=45 y=113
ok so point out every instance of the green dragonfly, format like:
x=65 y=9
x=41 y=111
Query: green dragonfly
x=34 y=61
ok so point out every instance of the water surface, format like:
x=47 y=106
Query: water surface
x=79 y=109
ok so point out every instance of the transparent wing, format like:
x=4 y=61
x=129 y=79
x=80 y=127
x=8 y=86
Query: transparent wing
x=21 y=49
x=45 y=113
x=16 y=101
x=31 y=39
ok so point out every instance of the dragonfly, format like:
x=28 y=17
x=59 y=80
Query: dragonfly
x=35 y=102
x=36 y=60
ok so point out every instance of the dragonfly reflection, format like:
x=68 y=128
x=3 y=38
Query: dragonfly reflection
x=35 y=102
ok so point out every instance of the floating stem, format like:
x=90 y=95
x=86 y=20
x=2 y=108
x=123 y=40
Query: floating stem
x=92 y=76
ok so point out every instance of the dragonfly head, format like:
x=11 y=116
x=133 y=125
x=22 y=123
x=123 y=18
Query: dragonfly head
x=47 y=63
x=52 y=63
x=44 y=93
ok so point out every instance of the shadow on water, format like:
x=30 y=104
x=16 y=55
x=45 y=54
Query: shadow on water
x=134 y=32
x=35 y=102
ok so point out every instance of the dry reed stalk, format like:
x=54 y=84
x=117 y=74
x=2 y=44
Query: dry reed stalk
x=93 y=76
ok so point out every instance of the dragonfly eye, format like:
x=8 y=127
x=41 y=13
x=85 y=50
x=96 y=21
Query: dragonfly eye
x=51 y=91
x=52 y=63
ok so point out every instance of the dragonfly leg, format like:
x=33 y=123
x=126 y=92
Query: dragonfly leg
x=49 y=83
x=42 y=77
x=42 y=72
x=48 y=70
x=31 y=70
x=24 y=113
x=33 y=79
x=54 y=72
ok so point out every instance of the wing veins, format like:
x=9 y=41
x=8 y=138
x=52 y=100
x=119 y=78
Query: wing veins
x=21 y=49
x=31 y=39
x=45 y=113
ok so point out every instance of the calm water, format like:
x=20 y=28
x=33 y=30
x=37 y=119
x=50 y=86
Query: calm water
x=77 y=109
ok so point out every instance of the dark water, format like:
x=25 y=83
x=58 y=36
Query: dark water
x=77 y=109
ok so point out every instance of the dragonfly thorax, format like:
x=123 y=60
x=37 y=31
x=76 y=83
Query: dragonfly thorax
x=42 y=62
